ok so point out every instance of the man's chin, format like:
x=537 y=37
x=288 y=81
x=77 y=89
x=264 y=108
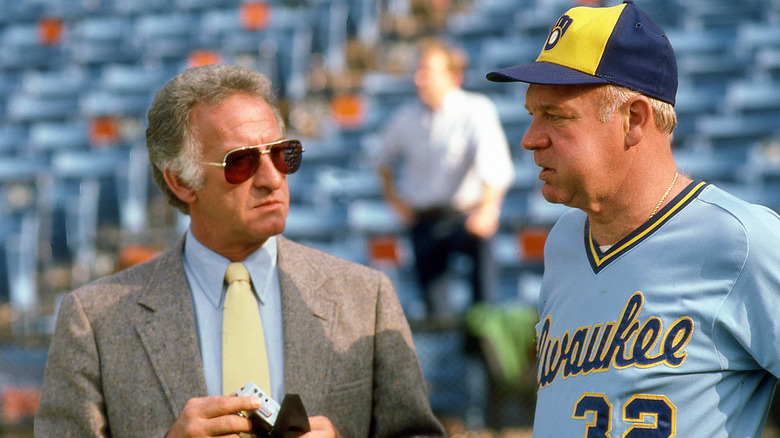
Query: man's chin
x=551 y=195
x=267 y=228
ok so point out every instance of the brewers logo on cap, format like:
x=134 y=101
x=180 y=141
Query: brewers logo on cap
x=578 y=39
x=558 y=31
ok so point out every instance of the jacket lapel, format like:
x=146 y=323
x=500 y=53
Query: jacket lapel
x=166 y=327
x=308 y=317
x=167 y=331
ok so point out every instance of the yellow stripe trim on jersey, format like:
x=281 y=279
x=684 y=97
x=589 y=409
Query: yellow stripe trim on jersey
x=591 y=28
x=613 y=252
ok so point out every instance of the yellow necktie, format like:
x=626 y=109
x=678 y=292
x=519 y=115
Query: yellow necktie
x=244 y=357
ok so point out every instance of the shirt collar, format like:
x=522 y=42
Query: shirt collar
x=450 y=100
x=208 y=268
x=452 y=96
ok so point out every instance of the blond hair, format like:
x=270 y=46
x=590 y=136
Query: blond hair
x=457 y=60
x=611 y=97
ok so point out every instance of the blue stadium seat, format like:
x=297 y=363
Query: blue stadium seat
x=194 y=5
x=164 y=36
x=514 y=118
x=346 y=186
x=719 y=14
x=541 y=212
x=20 y=47
x=27 y=108
x=315 y=225
x=9 y=83
x=287 y=16
x=469 y=31
x=134 y=191
x=96 y=40
x=12 y=139
x=752 y=36
x=534 y=22
x=85 y=196
x=767 y=65
x=693 y=102
x=389 y=88
x=505 y=51
x=23 y=191
x=699 y=42
x=64 y=9
x=769 y=176
x=714 y=71
x=15 y=11
x=77 y=166
x=59 y=82
x=221 y=29
x=735 y=134
x=18 y=185
x=112 y=103
x=48 y=138
x=22 y=363
x=476 y=24
x=708 y=164
x=370 y=217
x=20 y=253
x=664 y=12
x=514 y=210
x=137 y=7
x=123 y=90
x=383 y=93
x=217 y=23
x=47 y=95
x=754 y=97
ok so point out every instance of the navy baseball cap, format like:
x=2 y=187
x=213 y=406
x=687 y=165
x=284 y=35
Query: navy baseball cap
x=618 y=45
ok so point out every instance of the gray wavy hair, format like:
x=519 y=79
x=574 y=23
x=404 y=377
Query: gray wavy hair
x=170 y=138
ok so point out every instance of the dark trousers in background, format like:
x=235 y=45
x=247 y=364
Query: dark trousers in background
x=440 y=236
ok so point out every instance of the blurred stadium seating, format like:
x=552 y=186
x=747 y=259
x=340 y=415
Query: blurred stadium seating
x=77 y=76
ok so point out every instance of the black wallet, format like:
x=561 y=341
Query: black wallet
x=272 y=420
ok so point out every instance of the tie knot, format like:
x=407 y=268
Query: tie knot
x=236 y=272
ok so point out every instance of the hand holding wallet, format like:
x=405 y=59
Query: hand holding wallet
x=272 y=420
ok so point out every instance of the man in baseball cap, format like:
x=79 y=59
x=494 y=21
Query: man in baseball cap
x=649 y=278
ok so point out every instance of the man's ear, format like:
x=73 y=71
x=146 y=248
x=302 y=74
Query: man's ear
x=640 y=119
x=179 y=188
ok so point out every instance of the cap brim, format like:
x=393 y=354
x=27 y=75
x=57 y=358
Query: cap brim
x=545 y=73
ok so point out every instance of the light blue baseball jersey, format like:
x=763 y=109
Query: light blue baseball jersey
x=673 y=331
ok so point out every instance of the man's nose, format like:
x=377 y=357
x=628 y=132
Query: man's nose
x=267 y=174
x=534 y=137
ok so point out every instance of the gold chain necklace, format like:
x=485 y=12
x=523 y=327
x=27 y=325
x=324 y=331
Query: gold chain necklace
x=663 y=198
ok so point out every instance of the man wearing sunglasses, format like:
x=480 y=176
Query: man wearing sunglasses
x=140 y=353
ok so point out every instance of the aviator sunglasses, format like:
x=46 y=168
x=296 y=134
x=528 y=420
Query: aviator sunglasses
x=240 y=164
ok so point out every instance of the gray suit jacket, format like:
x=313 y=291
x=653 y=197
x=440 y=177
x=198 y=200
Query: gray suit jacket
x=125 y=358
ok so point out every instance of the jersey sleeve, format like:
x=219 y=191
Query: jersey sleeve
x=749 y=315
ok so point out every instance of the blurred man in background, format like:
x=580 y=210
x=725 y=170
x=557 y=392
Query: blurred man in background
x=445 y=166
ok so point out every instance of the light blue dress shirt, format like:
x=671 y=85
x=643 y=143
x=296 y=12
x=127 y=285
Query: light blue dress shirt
x=205 y=272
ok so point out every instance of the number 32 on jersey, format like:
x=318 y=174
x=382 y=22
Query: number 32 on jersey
x=653 y=416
